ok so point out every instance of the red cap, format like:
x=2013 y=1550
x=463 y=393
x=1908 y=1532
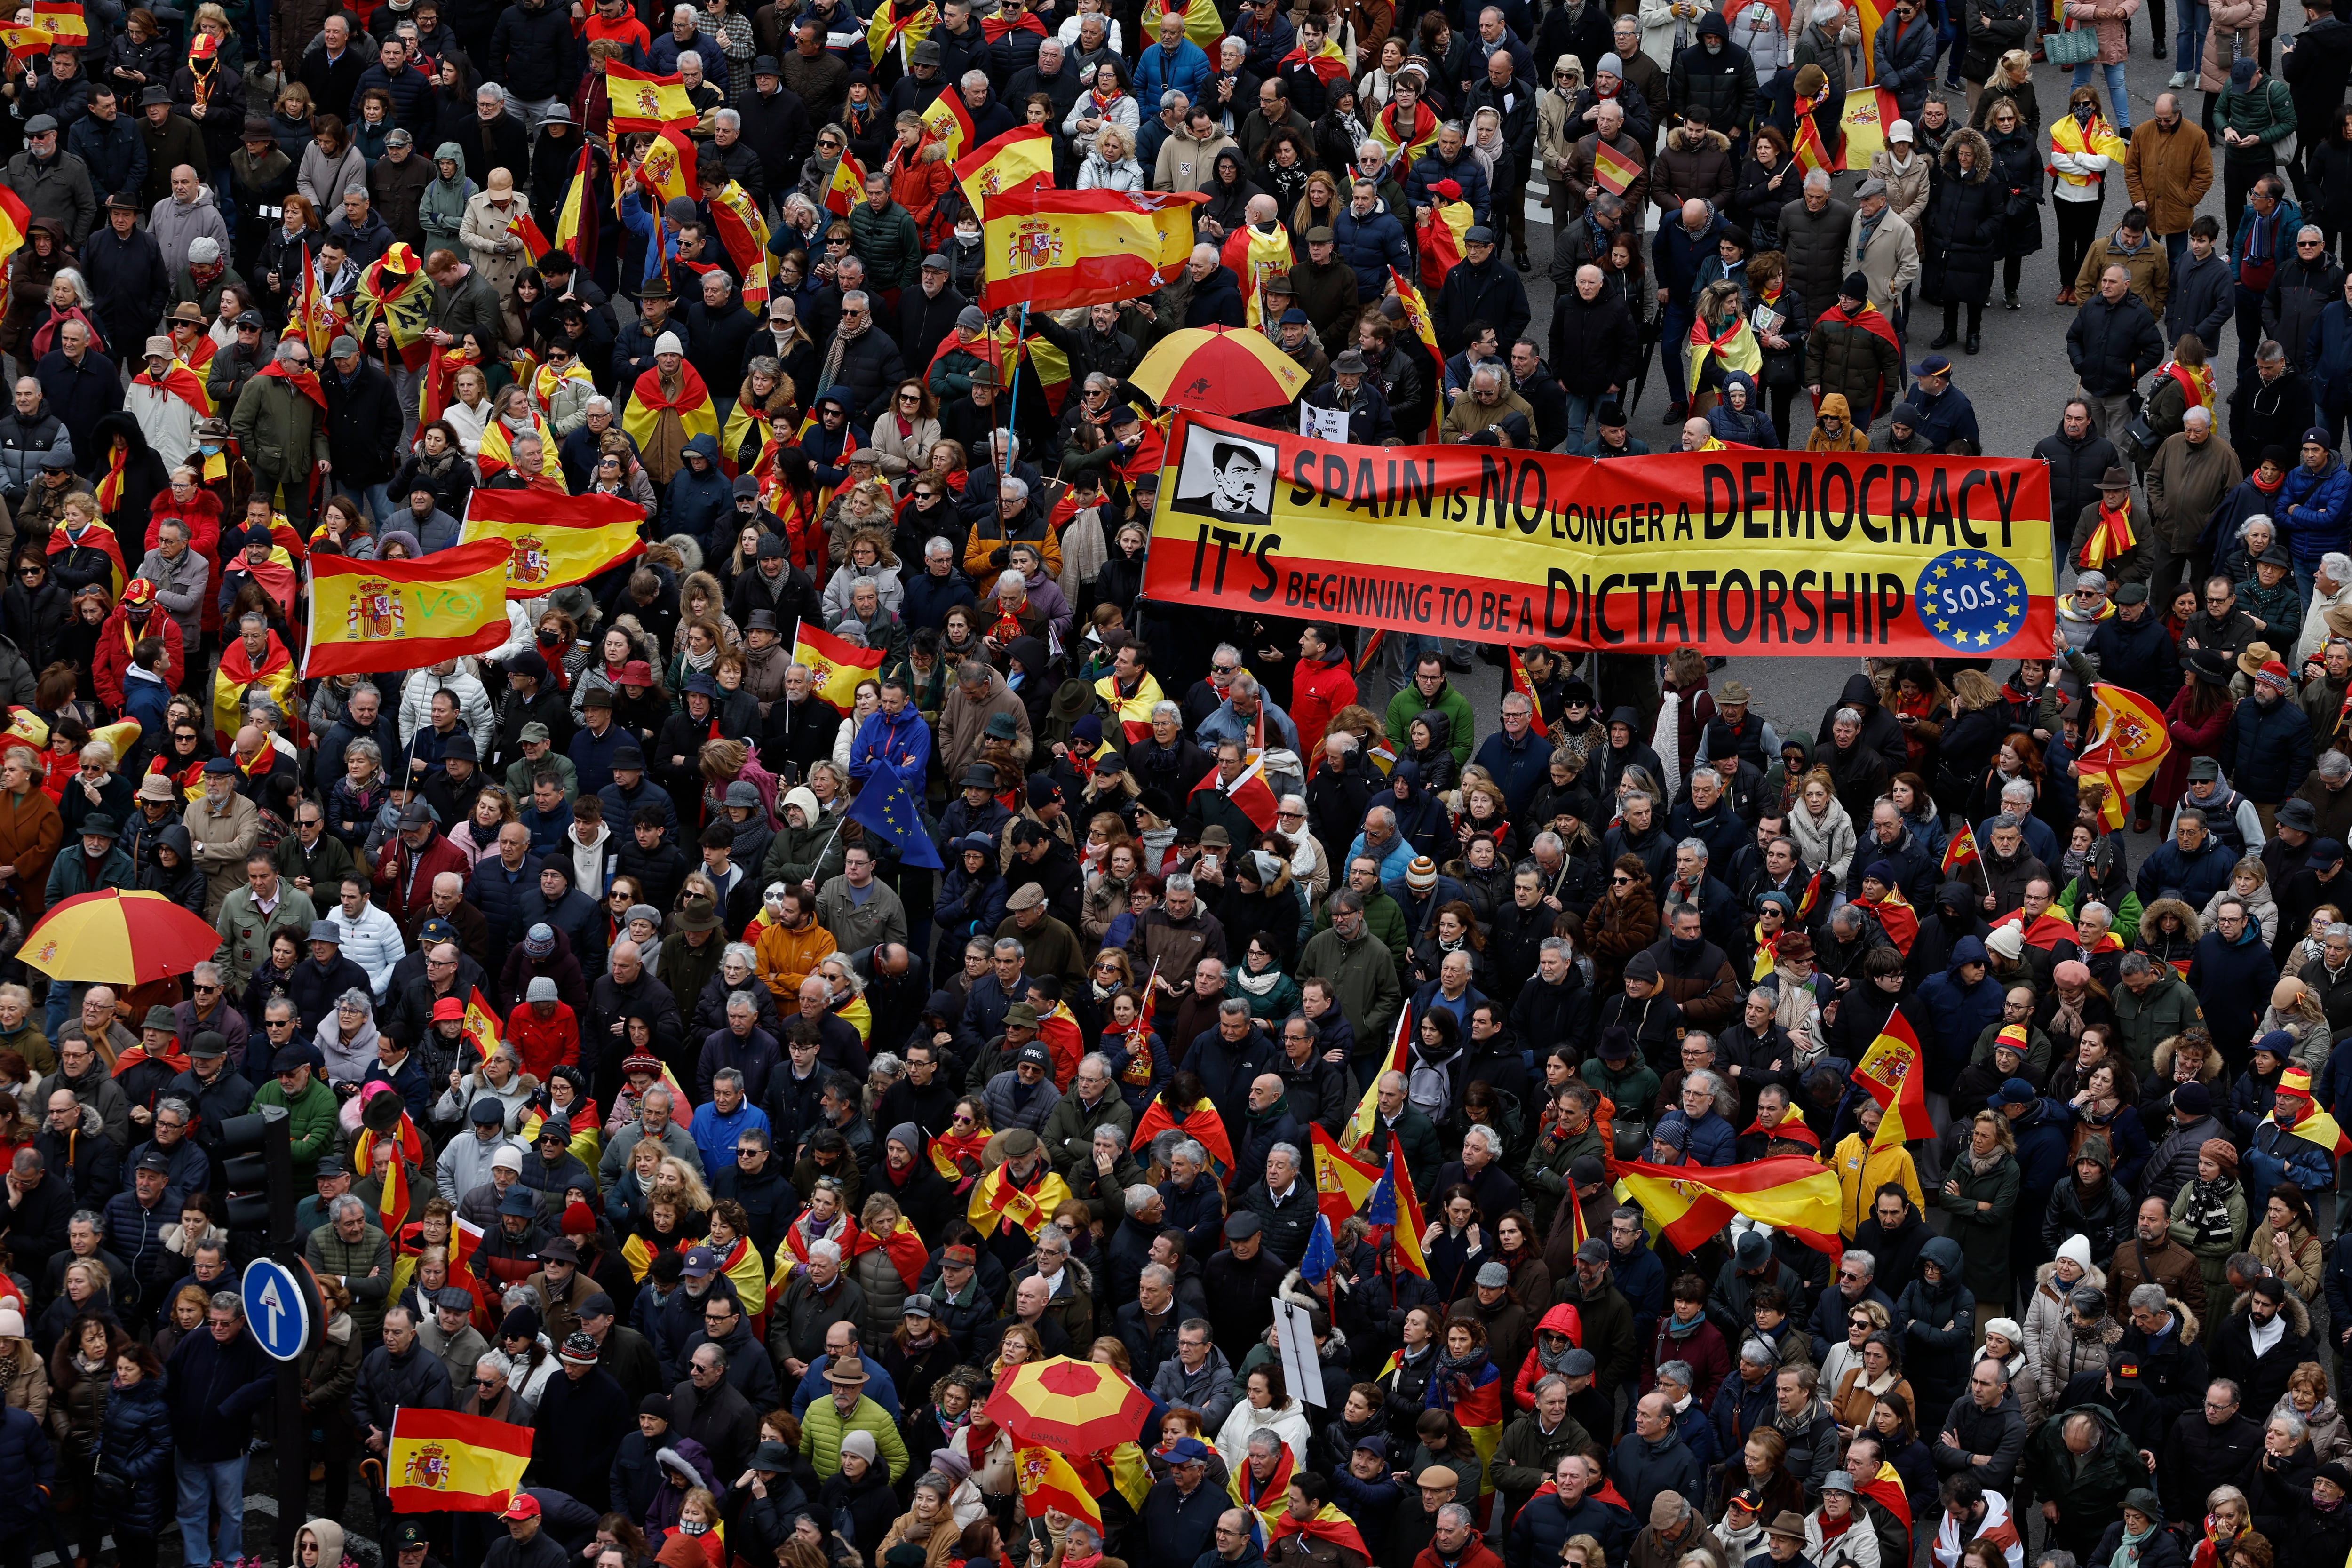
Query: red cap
x=448 y=1008
x=636 y=672
x=522 y=1505
x=203 y=47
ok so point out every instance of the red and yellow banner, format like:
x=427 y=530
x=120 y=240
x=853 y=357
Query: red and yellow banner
x=552 y=541
x=949 y=122
x=1689 y=1204
x=368 y=617
x=994 y=168
x=1770 y=554
x=442 y=1462
x=64 y=20
x=2128 y=738
x=646 y=101
x=1054 y=249
x=834 y=666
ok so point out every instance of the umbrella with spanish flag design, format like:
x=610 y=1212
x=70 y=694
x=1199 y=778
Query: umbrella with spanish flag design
x=1219 y=370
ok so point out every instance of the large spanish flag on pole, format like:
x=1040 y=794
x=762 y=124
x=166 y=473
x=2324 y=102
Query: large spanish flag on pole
x=949 y=122
x=744 y=233
x=1358 y=1132
x=1894 y=1073
x=646 y=101
x=1689 y=1204
x=1009 y=163
x=2129 y=741
x=371 y=616
x=552 y=541
x=835 y=666
x=1057 y=249
x=65 y=19
x=442 y=1462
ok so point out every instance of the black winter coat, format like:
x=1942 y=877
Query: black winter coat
x=1965 y=213
x=2017 y=168
x=534 y=53
x=1992 y=28
x=2111 y=346
x=1595 y=345
x=363 y=422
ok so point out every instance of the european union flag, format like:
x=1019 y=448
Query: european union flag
x=1321 y=1256
x=883 y=809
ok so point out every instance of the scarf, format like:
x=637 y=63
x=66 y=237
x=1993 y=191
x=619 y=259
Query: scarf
x=2127 y=1554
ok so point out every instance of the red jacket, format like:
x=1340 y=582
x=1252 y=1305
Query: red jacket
x=112 y=661
x=545 y=1043
x=1562 y=1318
x=1318 y=691
x=406 y=875
x=1477 y=1554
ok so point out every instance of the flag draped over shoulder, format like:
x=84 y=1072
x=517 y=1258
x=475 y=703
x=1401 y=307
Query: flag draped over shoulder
x=1689 y=1204
x=1892 y=1071
x=998 y=1196
x=239 y=675
x=2128 y=742
x=648 y=403
x=1735 y=347
x=442 y=1462
x=1897 y=918
x=1202 y=1125
x=372 y=616
x=394 y=292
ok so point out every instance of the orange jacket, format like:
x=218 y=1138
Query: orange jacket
x=788 y=957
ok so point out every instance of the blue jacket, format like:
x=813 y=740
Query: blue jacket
x=1520 y=769
x=1372 y=246
x=1946 y=417
x=1676 y=257
x=2266 y=751
x=1545 y=1525
x=1464 y=171
x=1905 y=59
x=1753 y=428
x=2328 y=354
x=2276 y=1155
x=2311 y=507
x=135 y=1445
x=902 y=744
x=621 y=810
x=28 y=1465
x=2233 y=981
x=214 y=1393
x=2169 y=873
x=591 y=761
x=1711 y=1139
x=115 y=152
x=697 y=503
x=499 y=894
x=1960 y=1011
x=714 y=1134
x=928 y=599
x=1155 y=73
x=1177 y=1530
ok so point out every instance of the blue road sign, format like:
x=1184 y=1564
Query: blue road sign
x=278 y=1307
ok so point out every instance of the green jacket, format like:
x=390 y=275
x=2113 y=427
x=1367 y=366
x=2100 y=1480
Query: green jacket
x=823 y=1427
x=310 y=1121
x=1362 y=973
x=1449 y=701
x=442 y=209
x=2210 y=1220
x=1983 y=1234
x=887 y=242
x=2126 y=912
x=326 y=864
x=2267 y=112
x=1069 y=1130
x=1385 y=918
x=2145 y=1022
x=364 y=1266
x=281 y=432
x=519 y=776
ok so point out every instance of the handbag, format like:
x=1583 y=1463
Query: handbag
x=2071 y=45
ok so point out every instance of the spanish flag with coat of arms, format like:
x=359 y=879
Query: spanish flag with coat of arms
x=1735 y=347
x=440 y=1461
x=1893 y=1072
x=834 y=666
x=2127 y=744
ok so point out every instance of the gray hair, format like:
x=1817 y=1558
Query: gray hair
x=1289 y=1149
x=1265 y=1440
x=741 y=951
x=347 y=1204
x=2146 y=1298
x=1818 y=179
x=2333 y=765
x=1178 y=883
x=1140 y=1198
x=1459 y=1516
x=1486 y=1135
x=1698 y=847
x=729 y=117
x=1193 y=1152
x=1859 y=1258
x=828 y=1250
x=1678 y=1372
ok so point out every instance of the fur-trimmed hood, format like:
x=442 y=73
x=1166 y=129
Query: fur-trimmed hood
x=1714 y=138
x=1294 y=1292
x=690 y=552
x=2166 y=1050
x=2190 y=1325
x=1967 y=136
x=2191 y=927
x=2298 y=1316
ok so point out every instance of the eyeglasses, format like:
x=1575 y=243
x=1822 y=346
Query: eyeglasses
x=1623 y=882
x=961 y=1121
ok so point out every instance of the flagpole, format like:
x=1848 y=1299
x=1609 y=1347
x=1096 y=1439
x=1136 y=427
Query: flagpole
x=1013 y=395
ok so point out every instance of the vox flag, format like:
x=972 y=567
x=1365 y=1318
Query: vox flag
x=442 y=1462
x=369 y=616
x=1055 y=249
x=552 y=540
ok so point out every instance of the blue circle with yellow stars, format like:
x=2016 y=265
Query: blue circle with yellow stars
x=1971 y=600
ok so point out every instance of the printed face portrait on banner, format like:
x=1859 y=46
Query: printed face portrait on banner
x=1227 y=477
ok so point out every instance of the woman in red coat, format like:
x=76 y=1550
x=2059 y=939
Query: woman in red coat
x=2197 y=717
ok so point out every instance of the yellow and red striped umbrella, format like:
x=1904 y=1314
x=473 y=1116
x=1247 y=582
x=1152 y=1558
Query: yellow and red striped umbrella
x=1219 y=370
x=1076 y=1407
x=119 y=939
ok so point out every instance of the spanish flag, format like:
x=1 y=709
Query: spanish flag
x=1329 y=63
x=1047 y=1481
x=1897 y=918
x=1342 y=1182
x=1085 y=247
x=645 y=100
x=1012 y=162
x=2293 y=1112
x=903 y=1247
x=442 y=1462
x=996 y=1196
x=1613 y=170
x=1524 y=684
x=1263 y=1501
x=2049 y=928
x=547 y=380
x=482 y=1024
x=1735 y=347
x=1869 y=111
x=2128 y=742
x=834 y=666
x=1360 y=1126
x=408 y=1151
x=1330 y=1524
x=648 y=403
x=1202 y=1125
x=889 y=26
x=1405 y=143
x=847 y=186
x=1768 y=954
x=744 y=234
x=1894 y=1073
x=553 y=541
x=1441 y=237
x=376 y=617
x=497 y=453
x=949 y=122
x=1416 y=311
x=64 y=20
x=1689 y=1204
x=25 y=43
x=1393 y=1203
x=394 y=291
x=666 y=168
x=1810 y=154
x=571 y=217
x=1962 y=850
x=1476 y=1398
x=587 y=1136
x=1203 y=25
x=240 y=677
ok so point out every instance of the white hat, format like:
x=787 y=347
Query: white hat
x=509 y=1157
x=668 y=343
x=12 y=1323
x=2078 y=1249
x=860 y=1444
x=203 y=250
x=2006 y=1329
x=1899 y=132
x=2009 y=942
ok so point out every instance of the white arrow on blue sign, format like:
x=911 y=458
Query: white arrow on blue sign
x=277 y=1308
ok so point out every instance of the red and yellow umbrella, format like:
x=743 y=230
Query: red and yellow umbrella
x=1219 y=370
x=1076 y=1406
x=116 y=938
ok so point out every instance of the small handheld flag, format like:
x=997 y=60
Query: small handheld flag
x=1393 y=1203
x=1321 y=1256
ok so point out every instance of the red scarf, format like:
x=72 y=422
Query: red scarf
x=304 y=381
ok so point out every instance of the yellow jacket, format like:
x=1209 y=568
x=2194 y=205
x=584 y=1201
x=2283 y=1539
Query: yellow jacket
x=788 y=957
x=1861 y=1172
